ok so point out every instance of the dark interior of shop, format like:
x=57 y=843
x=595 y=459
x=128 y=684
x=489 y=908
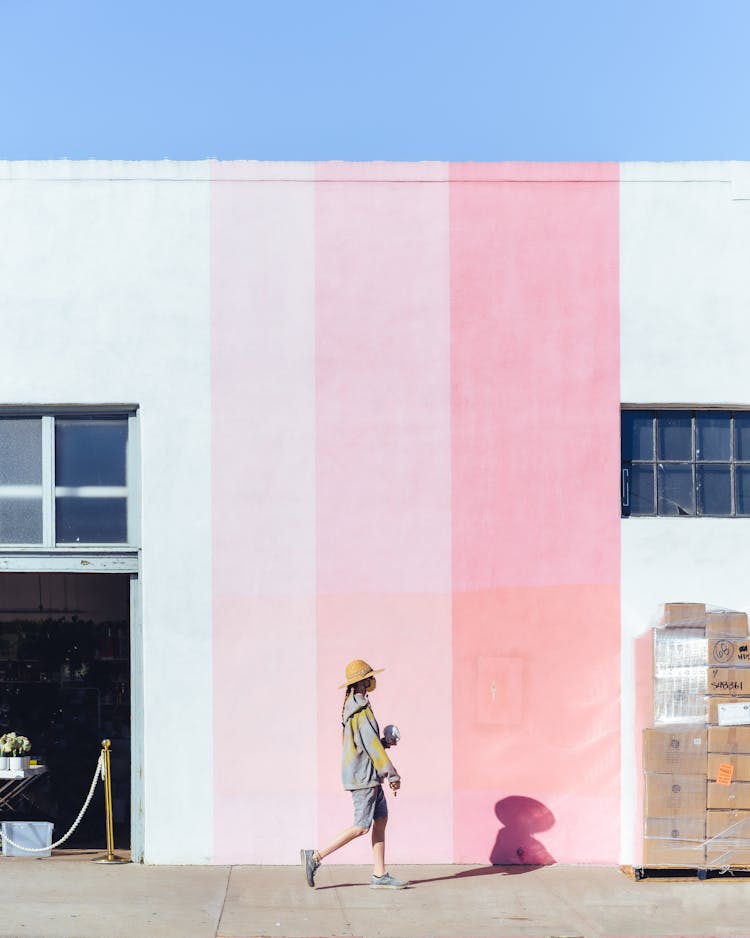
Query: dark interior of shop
x=65 y=684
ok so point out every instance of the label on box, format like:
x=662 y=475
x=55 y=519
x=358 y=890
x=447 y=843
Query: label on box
x=726 y=651
x=725 y=773
x=734 y=714
x=728 y=682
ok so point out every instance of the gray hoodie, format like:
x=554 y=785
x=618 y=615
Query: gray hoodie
x=364 y=761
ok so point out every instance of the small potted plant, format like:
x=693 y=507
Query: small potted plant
x=18 y=748
x=4 y=753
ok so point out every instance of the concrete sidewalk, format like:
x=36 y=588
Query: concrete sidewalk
x=59 y=898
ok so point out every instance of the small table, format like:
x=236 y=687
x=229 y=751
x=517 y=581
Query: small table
x=14 y=782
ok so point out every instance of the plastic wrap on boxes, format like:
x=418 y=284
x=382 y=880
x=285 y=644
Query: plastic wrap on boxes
x=679 y=648
x=675 y=841
x=679 y=697
x=727 y=838
x=679 y=676
x=674 y=795
x=675 y=750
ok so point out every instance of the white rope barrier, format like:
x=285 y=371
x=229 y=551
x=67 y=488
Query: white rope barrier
x=98 y=772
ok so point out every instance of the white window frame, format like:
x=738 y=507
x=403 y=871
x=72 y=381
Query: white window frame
x=50 y=547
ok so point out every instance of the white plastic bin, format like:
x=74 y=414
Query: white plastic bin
x=27 y=834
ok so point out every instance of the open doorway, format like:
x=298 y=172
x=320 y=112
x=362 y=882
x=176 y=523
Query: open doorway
x=65 y=684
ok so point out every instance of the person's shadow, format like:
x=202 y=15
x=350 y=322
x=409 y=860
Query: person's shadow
x=516 y=850
x=521 y=818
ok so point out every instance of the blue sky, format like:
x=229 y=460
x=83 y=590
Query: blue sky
x=474 y=80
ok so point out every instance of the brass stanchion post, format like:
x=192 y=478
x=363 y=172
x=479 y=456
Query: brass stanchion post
x=111 y=856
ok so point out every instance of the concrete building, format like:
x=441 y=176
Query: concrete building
x=370 y=410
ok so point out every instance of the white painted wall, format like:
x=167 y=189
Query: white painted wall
x=104 y=298
x=685 y=339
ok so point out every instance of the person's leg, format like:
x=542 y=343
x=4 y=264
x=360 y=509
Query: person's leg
x=380 y=878
x=378 y=845
x=346 y=835
x=311 y=859
x=364 y=807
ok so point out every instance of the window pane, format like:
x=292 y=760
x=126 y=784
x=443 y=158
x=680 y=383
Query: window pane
x=20 y=520
x=91 y=480
x=637 y=440
x=638 y=497
x=91 y=520
x=90 y=451
x=20 y=451
x=674 y=434
x=675 y=490
x=742 y=493
x=20 y=480
x=742 y=436
x=712 y=436
x=714 y=484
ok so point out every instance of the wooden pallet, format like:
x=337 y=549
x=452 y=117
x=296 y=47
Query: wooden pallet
x=680 y=874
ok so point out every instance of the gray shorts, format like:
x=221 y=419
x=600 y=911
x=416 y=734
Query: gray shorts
x=369 y=805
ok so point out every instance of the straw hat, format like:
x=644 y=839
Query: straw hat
x=358 y=670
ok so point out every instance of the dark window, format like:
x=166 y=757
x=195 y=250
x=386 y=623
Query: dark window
x=685 y=463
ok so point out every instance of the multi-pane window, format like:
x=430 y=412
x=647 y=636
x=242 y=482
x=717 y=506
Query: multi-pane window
x=685 y=463
x=65 y=480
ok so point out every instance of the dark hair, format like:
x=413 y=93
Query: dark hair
x=358 y=688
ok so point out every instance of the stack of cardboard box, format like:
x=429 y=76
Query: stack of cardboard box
x=696 y=757
x=674 y=762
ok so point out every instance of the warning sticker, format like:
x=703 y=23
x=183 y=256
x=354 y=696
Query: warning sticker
x=725 y=773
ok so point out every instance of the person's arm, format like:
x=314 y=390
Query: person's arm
x=368 y=732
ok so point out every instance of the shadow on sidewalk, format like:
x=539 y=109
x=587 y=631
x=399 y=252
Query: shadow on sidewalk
x=514 y=870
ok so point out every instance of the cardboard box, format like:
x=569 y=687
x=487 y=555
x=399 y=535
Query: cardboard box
x=674 y=841
x=734 y=797
x=740 y=763
x=728 y=738
x=730 y=823
x=726 y=624
x=728 y=682
x=675 y=750
x=721 y=854
x=684 y=615
x=729 y=711
x=728 y=838
x=728 y=652
x=668 y=796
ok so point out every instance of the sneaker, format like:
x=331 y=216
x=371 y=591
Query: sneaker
x=309 y=865
x=386 y=881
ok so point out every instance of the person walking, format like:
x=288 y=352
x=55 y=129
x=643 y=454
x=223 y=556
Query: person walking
x=364 y=767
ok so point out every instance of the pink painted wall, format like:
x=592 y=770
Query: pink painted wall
x=535 y=518
x=383 y=484
x=415 y=425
